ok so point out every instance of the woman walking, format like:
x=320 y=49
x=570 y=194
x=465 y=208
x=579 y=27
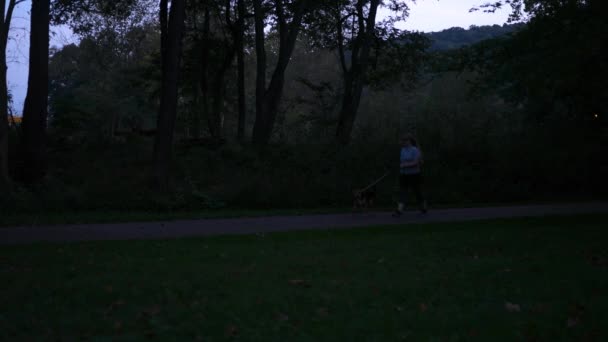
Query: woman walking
x=410 y=174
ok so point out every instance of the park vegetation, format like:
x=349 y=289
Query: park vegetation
x=258 y=104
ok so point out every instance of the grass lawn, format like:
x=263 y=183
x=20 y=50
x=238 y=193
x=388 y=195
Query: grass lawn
x=543 y=279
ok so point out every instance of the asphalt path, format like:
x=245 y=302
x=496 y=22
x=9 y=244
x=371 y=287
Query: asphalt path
x=261 y=225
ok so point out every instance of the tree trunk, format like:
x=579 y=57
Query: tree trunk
x=219 y=90
x=204 y=76
x=350 y=104
x=5 y=25
x=268 y=100
x=195 y=126
x=354 y=78
x=4 y=175
x=216 y=116
x=260 y=81
x=36 y=101
x=171 y=46
x=240 y=58
x=264 y=123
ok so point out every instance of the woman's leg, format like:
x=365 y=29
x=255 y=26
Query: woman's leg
x=416 y=182
x=403 y=185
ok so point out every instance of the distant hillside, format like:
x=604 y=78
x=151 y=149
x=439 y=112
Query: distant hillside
x=456 y=37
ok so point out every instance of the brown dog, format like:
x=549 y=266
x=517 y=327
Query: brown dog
x=364 y=199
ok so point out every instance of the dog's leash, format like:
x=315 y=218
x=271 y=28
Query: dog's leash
x=376 y=182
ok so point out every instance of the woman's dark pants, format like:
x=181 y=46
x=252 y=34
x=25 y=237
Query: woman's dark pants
x=413 y=182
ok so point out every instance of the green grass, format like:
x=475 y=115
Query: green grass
x=440 y=282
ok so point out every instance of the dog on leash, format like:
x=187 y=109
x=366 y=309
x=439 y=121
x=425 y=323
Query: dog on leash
x=364 y=199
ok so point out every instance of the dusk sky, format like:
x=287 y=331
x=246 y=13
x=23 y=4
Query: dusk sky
x=425 y=15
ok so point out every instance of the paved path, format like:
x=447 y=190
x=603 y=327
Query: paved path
x=187 y=228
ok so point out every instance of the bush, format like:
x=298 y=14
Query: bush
x=117 y=177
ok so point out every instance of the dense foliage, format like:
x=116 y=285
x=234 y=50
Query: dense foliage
x=502 y=113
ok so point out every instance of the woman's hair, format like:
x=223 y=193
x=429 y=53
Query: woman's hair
x=409 y=138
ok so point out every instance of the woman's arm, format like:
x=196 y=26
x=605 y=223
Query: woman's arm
x=412 y=163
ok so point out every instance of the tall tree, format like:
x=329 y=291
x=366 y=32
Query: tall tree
x=240 y=58
x=5 y=25
x=354 y=75
x=530 y=9
x=370 y=51
x=172 y=28
x=91 y=85
x=213 y=84
x=36 y=101
x=554 y=66
x=211 y=46
x=101 y=88
x=268 y=97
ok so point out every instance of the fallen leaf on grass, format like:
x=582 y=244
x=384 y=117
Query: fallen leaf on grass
x=118 y=325
x=572 y=322
x=576 y=312
x=231 y=331
x=423 y=307
x=597 y=291
x=593 y=335
x=599 y=261
x=404 y=336
x=510 y=307
x=282 y=317
x=322 y=312
x=530 y=331
x=299 y=282
x=118 y=303
x=113 y=306
x=295 y=323
x=151 y=311
x=539 y=308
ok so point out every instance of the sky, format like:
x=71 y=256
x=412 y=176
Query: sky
x=425 y=16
